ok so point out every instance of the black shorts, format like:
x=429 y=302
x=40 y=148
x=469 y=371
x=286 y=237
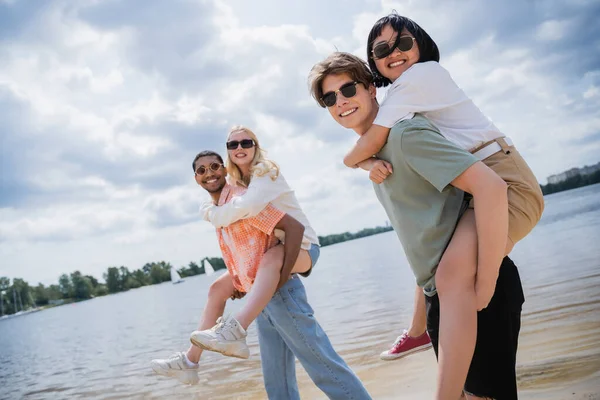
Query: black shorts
x=493 y=369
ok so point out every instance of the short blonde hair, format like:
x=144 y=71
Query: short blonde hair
x=259 y=166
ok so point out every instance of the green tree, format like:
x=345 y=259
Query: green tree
x=160 y=272
x=112 y=278
x=23 y=291
x=100 y=290
x=93 y=280
x=66 y=288
x=54 y=292
x=132 y=283
x=141 y=277
x=82 y=286
x=216 y=262
x=124 y=275
x=194 y=268
x=41 y=295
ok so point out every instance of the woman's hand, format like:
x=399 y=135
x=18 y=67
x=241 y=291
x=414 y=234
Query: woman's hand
x=380 y=170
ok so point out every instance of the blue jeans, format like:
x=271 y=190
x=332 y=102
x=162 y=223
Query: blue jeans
x=288 y=330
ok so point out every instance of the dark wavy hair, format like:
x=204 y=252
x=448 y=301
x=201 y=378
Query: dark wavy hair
x=427 y=48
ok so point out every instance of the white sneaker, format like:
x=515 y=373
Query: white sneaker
x=177 y=367
x=226 y=337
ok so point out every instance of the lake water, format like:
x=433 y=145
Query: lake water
x=101 y=348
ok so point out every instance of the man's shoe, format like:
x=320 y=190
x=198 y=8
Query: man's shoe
x=177 y=367
x=226 y=337
x=405 y=345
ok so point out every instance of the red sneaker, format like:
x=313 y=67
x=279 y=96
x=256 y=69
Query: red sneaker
x=405 y=345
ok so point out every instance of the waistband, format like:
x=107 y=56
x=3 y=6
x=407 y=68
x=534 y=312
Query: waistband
x=493 y=147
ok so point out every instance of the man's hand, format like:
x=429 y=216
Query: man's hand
x=283 y=278
x=380 y=170
x=484 y=291
x=237 y=294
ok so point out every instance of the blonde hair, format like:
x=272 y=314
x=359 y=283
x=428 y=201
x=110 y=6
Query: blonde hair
x=259 y=166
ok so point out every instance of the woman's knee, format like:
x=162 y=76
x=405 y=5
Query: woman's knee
x=273 y=258
x=220 y=289
x=455 y=273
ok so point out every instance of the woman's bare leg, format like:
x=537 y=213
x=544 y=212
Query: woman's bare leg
x=266 y=280
x=219 y=292
x=418 y=325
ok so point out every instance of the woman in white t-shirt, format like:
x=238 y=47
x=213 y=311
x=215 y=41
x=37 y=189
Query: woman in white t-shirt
x=248 y=167
x=402 y=54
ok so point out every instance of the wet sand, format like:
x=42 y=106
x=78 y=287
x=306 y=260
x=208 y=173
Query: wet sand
x=558 y=358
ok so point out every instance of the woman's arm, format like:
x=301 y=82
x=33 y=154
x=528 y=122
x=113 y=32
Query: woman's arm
x=262 y=191
x=424 y=87
x=367 y=145
x=491 y=213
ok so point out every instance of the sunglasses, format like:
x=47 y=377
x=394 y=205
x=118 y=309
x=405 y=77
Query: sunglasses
x=215 y=166
x=246 y=144
x=383 y=49
x=347 y=90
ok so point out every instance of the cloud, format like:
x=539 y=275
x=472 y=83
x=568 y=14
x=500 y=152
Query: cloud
x=104 y=104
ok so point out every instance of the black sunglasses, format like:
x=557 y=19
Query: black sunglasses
x=215 y=166
x=246 y=144
x=383 y=49
x=347 y=90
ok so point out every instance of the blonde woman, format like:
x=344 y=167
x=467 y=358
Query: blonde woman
x=248 y=167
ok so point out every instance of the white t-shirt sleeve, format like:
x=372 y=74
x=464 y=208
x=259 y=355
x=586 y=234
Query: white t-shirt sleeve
x=261 y=191
x=423 y=87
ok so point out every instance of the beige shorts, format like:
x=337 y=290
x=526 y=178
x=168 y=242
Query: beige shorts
x=525 y=198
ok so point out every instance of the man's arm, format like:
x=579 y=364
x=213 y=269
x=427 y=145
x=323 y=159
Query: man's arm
x=367 y=145
x=442 y=163
x=294 y=231
x=491 y=215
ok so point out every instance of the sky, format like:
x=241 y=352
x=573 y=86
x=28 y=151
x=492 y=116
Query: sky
x=105 y=103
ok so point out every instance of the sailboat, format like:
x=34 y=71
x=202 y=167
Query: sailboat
x=208 y=268
x=175 y=277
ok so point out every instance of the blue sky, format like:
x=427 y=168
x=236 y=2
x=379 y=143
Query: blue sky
x=103 y=105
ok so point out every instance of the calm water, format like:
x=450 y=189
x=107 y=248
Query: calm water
x=101 y=348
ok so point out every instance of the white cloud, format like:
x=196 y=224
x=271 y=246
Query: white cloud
x=591 y=92
x=111 y=108
x=553 y=30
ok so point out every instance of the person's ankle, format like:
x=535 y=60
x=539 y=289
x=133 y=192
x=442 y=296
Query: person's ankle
x=244 y=323
x=415 y=333
x=191 y=361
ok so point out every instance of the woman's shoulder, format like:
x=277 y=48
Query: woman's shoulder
x=429 y=76
x=265 y=170
x=424 y=71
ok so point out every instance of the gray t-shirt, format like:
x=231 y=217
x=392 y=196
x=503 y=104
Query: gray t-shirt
x=421 y=204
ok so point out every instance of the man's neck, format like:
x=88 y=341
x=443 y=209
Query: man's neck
x=364 y=127
x=216 y=196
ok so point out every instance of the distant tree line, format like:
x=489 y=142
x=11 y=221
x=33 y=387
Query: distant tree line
x=343 y=237
x=76 y=286
x=572 y=183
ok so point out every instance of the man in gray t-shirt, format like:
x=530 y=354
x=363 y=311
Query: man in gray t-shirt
x=418 y=197
x=423 y=199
